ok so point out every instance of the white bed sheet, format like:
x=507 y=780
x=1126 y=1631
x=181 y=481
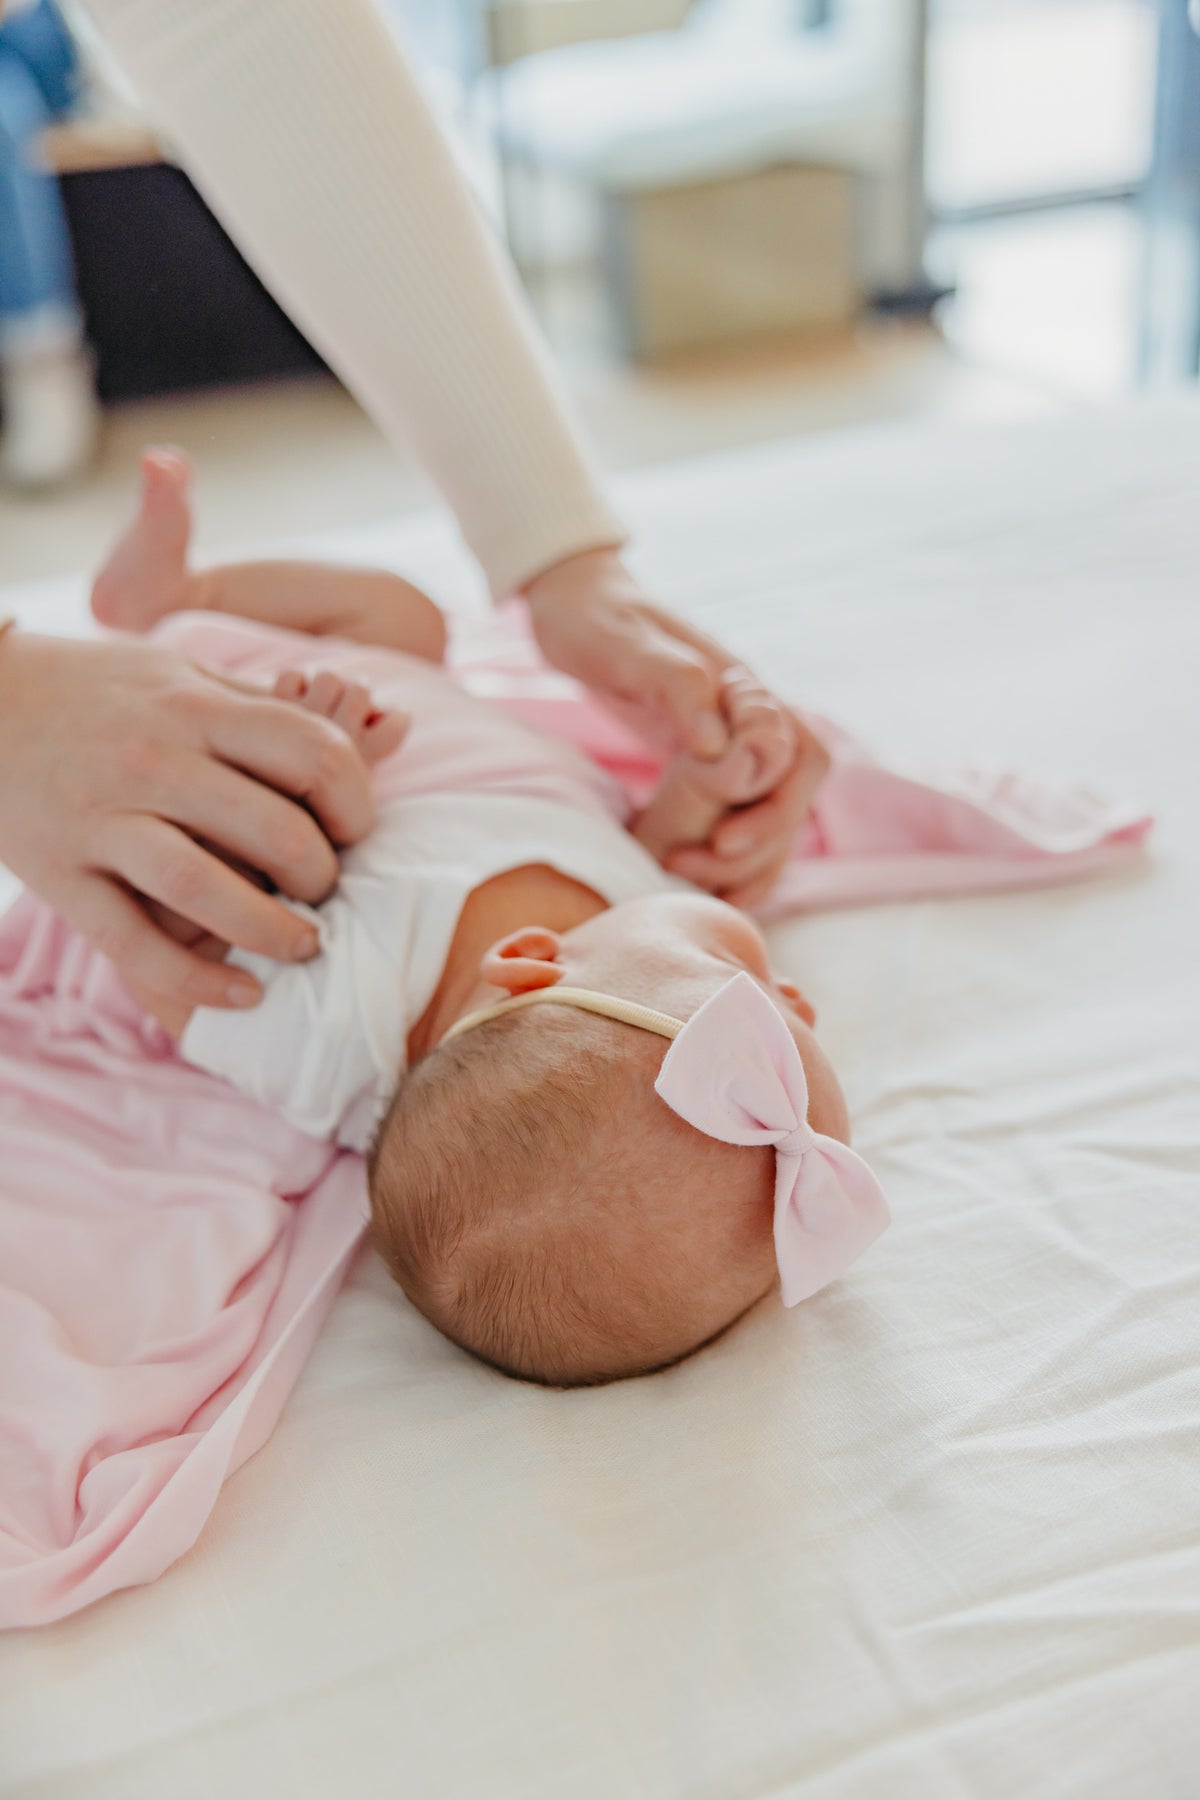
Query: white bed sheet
x=935 y=1535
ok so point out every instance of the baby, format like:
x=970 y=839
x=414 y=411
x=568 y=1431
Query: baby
x=599 y=1127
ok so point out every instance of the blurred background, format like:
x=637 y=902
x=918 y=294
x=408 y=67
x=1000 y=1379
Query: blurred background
x=736 y=220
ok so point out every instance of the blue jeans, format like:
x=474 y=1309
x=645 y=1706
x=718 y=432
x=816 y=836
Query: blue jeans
x=38 y=71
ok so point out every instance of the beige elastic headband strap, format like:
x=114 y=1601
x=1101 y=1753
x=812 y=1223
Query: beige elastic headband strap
x=609 y=1006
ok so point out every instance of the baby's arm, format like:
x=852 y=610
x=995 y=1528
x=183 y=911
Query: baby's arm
x=148 y=577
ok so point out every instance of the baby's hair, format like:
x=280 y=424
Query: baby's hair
x=526 y=1194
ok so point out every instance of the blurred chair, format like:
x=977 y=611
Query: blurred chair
x=804 y=116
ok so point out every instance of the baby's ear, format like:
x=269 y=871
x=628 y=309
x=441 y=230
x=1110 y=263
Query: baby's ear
x=524 y=960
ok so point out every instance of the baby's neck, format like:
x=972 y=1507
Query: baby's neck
x=532 y=895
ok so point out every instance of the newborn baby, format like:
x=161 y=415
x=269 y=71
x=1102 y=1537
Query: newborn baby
x=599 y=1127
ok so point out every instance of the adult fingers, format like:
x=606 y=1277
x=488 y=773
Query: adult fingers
x=676 y=681
x=252 y=823
x=163 y=863
x=640 y=657
x=779 y=814
x=714 y=654
x=725 y=875
x=765 y=725
x=754 y=893
x=120 y=930
x=751 y=845
x=298 y=753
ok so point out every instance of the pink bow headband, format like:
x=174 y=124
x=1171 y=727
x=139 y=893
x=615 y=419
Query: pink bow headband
x=734 y=1072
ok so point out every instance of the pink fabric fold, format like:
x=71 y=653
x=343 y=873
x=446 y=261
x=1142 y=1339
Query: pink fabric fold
x=168 y=1251
x=877 y=831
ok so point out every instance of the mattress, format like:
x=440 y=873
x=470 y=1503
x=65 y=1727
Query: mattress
x=935 y=1534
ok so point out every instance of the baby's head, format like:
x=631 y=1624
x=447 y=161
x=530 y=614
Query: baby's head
x=537 y=1199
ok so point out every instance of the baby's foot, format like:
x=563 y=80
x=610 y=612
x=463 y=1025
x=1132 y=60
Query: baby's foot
x=146 y=576
x=374 y=734
x=694 y=795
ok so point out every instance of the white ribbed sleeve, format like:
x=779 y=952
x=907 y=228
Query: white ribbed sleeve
x=304 y=127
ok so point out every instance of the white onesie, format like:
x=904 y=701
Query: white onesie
x=471 y=793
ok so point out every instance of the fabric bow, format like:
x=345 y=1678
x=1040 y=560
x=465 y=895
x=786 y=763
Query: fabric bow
x=734 y=1072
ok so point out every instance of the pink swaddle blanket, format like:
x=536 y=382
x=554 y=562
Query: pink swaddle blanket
x=877 y=832
x=168 y=1251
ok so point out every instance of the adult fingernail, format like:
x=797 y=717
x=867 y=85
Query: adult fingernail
x=306 y=946
x=244 y=992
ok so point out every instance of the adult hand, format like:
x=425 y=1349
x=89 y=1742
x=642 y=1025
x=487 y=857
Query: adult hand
x=747 y=849
x=592 y=620
x=118 y=762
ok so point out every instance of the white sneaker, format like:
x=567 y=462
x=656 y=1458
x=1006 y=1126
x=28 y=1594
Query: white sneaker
x=50 y=416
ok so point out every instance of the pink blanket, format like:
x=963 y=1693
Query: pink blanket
x=168 y=1252
x=877 y=831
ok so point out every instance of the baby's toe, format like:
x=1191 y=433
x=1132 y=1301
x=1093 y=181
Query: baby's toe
x=353 y=706
x=382 y=733
x=326 y=693
x=164 y=471
x=348 y=705
x=352 y=710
